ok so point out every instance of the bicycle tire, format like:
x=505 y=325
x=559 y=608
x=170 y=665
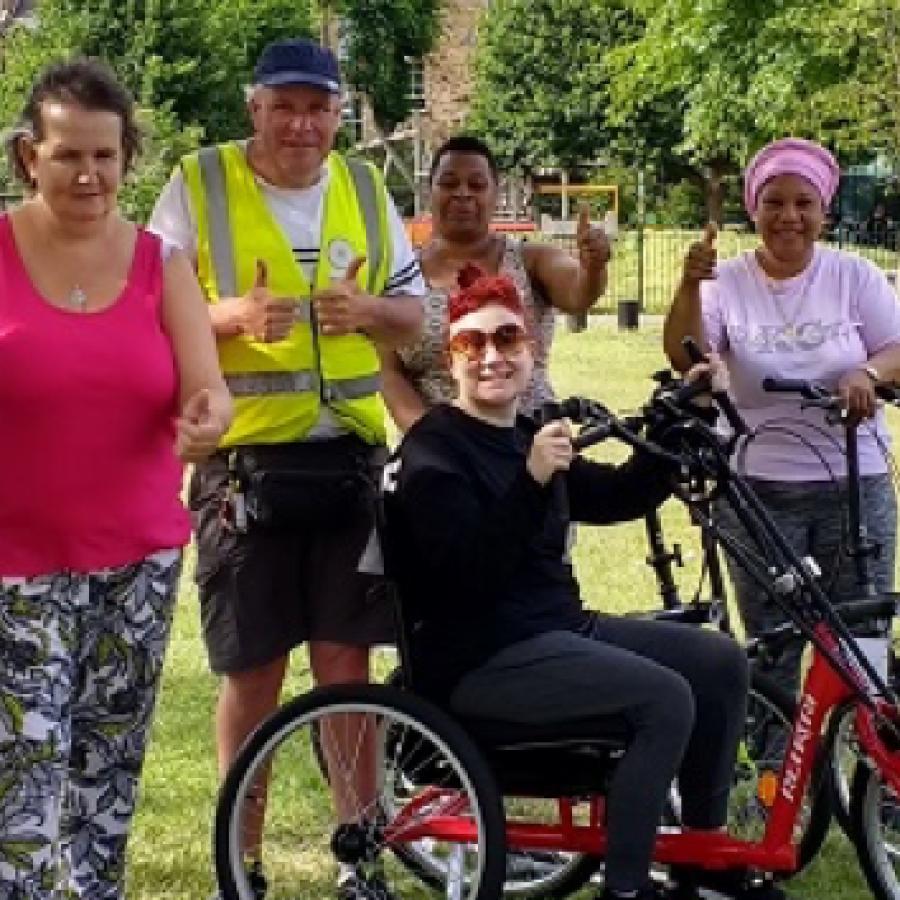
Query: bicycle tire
x=878 y=858
x=442 y=748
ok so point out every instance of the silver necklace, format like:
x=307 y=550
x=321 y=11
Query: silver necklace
x=794 y=293
x=77 y=298
x=781 y=296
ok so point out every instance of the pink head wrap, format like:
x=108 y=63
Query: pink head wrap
x=791 y=156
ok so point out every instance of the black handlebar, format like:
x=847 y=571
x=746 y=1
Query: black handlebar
x=600 y=424
x=551 y=412
x=809 y=390
x=821 y=395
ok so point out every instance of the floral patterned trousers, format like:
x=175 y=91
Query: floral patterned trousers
x=80 y=660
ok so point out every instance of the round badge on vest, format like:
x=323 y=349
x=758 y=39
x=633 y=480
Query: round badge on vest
x=340 y=255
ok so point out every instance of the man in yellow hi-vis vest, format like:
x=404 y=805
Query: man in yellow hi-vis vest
x=307 y=269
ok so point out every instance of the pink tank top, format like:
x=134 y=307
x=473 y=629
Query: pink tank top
x=88 y=474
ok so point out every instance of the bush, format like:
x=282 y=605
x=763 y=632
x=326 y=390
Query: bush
x=165 y=142
x=682 y=204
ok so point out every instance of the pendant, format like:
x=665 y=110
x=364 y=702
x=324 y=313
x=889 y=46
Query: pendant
x=78 y=299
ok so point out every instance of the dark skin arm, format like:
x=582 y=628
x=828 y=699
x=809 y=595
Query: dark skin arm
x=572 y=285
x=684 y=316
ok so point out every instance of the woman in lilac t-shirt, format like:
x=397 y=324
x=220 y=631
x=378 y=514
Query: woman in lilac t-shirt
x=792 y=308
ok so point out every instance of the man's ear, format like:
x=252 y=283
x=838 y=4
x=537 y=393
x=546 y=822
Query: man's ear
x=254 y=103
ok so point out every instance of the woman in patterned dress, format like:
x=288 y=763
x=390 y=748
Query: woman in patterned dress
x=464 y=183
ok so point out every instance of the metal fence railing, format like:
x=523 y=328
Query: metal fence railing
x=647 y=262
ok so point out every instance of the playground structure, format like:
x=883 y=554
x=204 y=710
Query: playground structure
x=565 y=225
x=419 y=227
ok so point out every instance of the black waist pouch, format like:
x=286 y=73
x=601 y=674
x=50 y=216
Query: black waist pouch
x=315 y=485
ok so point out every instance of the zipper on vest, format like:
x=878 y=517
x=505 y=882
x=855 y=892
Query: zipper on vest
x=317 y=351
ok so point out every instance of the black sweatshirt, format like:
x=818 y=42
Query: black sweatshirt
x=478 y=547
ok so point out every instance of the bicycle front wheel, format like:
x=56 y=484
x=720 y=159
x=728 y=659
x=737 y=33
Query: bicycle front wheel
x=278 y=804
x=530 y=874
x=767 y=729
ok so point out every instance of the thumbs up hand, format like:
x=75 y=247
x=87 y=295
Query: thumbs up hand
x=700 y=262
x=342 y=308
x=592 y=243
x=200 y=426
x=262 y=315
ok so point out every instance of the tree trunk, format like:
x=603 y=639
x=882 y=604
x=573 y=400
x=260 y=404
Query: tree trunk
x=715 y=193
x=325 y=27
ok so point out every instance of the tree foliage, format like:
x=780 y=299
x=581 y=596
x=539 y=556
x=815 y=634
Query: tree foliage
x=186 y=62
x=193 y=55
x=688 y=89
x=542 y=80
x=381 y=38
x=741 y=74
x=859 y=107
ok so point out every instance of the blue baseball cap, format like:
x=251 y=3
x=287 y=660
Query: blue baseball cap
x=298 y=61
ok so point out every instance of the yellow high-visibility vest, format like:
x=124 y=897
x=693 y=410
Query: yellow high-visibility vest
x=280 y=387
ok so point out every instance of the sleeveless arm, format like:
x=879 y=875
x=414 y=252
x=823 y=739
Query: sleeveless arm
x=186 y=321
x=565 y=283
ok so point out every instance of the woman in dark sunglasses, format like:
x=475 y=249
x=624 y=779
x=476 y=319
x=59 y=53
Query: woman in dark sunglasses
x=478 y=539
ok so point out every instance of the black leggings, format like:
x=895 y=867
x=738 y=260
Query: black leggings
x=682 y=690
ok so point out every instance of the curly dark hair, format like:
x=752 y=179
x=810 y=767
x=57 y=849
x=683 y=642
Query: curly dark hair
x=89 y=83
x=467 y=145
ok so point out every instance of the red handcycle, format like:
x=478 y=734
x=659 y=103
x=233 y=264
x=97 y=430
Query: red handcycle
x=427 y=802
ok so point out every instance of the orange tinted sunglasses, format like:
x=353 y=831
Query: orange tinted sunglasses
x=508 y=340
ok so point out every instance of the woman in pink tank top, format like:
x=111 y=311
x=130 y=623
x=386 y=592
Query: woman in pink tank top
x=108 y=374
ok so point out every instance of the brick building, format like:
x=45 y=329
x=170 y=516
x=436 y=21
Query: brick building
x=441 y=89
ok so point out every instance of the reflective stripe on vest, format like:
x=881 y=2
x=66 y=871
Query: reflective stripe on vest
x=365 y=193
x=218 y=220
x=256 y=383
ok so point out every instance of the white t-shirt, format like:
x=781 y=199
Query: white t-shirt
x=827 y=320
x=299 y=213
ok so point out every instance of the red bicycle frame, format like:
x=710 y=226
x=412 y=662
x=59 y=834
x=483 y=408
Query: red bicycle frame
x=838 y=677
x=438 y=813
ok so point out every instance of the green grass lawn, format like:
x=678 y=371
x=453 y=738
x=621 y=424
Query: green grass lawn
x=170 y=856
